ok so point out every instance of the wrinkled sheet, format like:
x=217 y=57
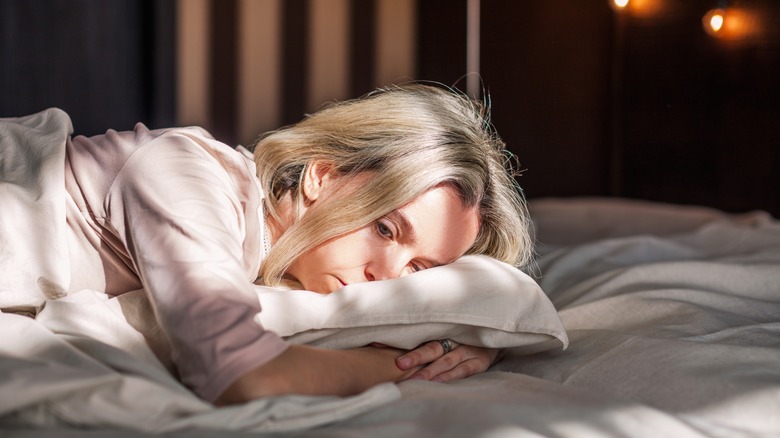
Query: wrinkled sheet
x=673 y=316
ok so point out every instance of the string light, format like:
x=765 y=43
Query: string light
x=731 y=23
x=713 y=21
x=618 y=4
x=716 y=21
x=641 y=8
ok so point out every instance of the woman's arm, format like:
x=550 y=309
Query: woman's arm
x=313 y=371
x=178 y=207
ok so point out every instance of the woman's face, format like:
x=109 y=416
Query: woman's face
x=434 y=229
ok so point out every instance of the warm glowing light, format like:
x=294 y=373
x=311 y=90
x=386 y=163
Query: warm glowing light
x=620 y=4
x=642 y=8
x=713 y=20
x=732 y=23
x=716 y=22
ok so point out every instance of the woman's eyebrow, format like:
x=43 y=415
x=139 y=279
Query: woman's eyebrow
x=410 y=233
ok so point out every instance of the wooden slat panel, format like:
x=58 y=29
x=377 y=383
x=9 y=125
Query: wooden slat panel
x=259 y=85
x=295 y=64
x=223 y=70
x=193 y=60
x=441 y=42
x=329 y=73
x=362 y=50
x=396 y=39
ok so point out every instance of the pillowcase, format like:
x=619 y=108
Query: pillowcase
x=476 y=300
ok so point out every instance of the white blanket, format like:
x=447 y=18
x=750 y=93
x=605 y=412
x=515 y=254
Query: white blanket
x=673 y=317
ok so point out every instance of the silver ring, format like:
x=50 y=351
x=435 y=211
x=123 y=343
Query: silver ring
x=445 y=345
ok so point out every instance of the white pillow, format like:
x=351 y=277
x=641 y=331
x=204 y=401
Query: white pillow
x=475 y=300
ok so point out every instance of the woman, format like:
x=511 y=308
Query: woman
x=401 y=180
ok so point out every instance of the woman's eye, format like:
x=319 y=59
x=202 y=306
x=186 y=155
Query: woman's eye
x=416 y=267
x=384 y=230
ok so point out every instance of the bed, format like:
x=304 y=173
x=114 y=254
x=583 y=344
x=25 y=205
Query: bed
x=672 y=315
x=636 y=319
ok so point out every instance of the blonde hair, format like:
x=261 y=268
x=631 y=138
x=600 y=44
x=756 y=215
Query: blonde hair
x=412 y=138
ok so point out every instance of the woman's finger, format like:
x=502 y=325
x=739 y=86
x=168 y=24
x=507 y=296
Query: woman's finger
x=424 y=354
x=462 y=370
x=444 y=364
x=460 y=363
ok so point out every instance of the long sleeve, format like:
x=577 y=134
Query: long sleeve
x=175 y=208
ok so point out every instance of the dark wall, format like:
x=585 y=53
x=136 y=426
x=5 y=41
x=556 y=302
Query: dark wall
x=648 y=107
x=547 y=66
x=700 y=114
x=109 y=64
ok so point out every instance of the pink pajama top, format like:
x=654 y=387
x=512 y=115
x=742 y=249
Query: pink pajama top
x=179 y=214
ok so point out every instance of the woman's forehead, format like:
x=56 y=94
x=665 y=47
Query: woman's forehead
x=442 y=227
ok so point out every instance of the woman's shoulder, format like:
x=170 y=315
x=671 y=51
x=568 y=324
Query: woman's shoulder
x=192 y=131
x=125 y=143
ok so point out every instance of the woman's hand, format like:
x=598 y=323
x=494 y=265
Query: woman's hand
x=460 y=362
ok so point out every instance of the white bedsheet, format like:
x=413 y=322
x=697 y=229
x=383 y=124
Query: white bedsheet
x=673 y=316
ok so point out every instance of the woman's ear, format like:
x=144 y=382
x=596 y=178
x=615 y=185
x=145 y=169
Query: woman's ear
x=317 y=175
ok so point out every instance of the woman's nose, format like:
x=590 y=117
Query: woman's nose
x=384 y=268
